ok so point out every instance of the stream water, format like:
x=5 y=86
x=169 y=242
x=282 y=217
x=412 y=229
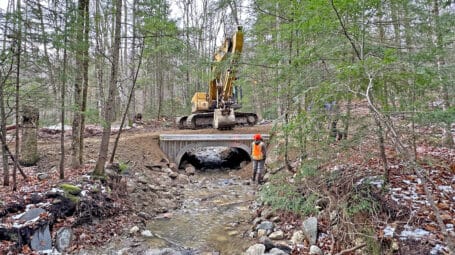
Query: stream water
x=212 y=219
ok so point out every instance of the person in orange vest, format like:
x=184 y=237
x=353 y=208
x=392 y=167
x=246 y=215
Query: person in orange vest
x=258 y=154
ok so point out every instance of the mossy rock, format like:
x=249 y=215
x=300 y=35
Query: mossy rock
x=70 y=189
x=73 y=198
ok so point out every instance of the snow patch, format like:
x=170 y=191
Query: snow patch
x=389 y=231
x=416 y=234
x=445 y=188
x=372 y=180
x=59 y=127
x=438 y=249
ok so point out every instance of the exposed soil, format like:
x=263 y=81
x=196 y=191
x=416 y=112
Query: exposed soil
x=138 y=148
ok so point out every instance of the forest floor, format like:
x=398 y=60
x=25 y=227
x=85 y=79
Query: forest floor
x=404 y=210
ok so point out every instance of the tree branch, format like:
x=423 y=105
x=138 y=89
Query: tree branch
x=351 y=249
x=345 y=31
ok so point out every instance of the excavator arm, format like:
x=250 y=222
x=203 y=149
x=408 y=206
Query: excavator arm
x=216 y=107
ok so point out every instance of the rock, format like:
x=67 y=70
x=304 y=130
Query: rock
x=275 y=219
x=266 y=225
x=183 y=179
x=262 y=232
x=233 y=233
x=276 y=251
x=144 y=215
x=256 y=221
x=267 y=243
x=35 y=198
x=174 y=167
x=165 y=181
x=266 y=177
x=297 y=237
x=41 y=240
x=63 y=239
x=257 y=249
x=395 y=245
x=310 y=229
x=166 y=215
x=134 y=230
x=166 y=251
x=277 y=235
x=71 y=189
x=42 y=176
x=32 y=214
x=154 y=187
x=173 y=175
x=146 y=233
x=190 y=170
x=314 y=250
x=268 y=213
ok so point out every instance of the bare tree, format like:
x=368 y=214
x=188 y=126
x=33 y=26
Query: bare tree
x=108 y=112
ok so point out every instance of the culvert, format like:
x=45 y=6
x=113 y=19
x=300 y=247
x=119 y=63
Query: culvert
x=215 y=157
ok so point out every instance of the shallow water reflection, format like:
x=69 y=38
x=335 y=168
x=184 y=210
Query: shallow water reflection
x=212 y=219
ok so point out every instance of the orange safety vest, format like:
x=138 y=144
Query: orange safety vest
x=257 y=152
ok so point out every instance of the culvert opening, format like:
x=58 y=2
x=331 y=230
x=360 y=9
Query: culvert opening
x=215 y=157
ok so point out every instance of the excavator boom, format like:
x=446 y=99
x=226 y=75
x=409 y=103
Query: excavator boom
x=217 y=108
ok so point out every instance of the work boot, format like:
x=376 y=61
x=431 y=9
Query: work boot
x=259 y=178
x=254 y=177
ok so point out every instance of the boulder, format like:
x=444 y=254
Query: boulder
x=71 y=189
x=190 y=170
x=32 y=214
x=146 y=233
x=257 y=249
x=276 y=251
x=314 y=250
x=134 y=230
x=266 y=225
x=277 y=235
x=63 y=239
x=297 y=237
x=310 y=229
x=41 y=240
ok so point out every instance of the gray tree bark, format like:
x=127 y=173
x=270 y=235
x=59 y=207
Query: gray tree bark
x=108 y=113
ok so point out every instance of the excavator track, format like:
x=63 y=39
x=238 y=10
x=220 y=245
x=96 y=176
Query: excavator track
x=205 y=120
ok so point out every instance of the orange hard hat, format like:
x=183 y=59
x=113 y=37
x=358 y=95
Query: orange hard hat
x=257 y=137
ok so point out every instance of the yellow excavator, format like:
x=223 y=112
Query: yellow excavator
x=217 y=108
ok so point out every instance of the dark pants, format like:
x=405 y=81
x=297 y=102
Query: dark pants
x=258 y=169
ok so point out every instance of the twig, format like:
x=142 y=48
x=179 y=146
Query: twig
x=345 y=31
x=351 y=249
x=13 y=158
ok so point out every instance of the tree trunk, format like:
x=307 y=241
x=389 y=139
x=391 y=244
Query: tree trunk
x=130 y=96
x=29 y=141
x=62 y=103
x=99 y=60
x=3 y=117
x=108 y=113
x=447 y=139
x=18 y=64
x=78 y=87
x=85 y=62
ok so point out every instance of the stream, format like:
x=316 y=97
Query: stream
x=212 y=219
